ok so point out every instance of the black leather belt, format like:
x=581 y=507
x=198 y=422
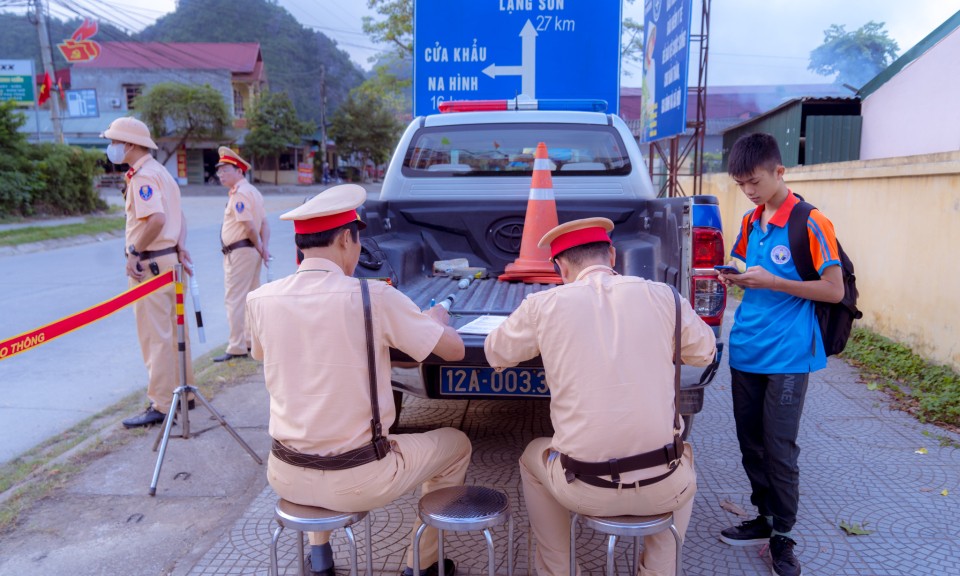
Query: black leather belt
x=151 y=254
x=601 y=483
x=345 y=461
x=245 y=243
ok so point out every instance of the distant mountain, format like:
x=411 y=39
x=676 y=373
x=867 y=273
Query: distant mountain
x=293 y=54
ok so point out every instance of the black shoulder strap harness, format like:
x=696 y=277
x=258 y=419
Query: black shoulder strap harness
x=670 y=454
x=379 y=446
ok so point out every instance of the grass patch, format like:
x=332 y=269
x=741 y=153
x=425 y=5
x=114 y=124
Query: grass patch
x=32 y=476
x=931 y=392
x=93 y=225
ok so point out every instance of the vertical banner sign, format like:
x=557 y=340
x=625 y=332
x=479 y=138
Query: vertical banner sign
x=666 y=60
x=17 y=83
x=182 y=164
x=499 y=49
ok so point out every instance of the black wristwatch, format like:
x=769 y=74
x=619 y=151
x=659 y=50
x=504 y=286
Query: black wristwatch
x=132 y=250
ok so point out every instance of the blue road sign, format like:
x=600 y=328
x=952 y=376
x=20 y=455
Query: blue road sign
x=666 y=59
x=493 y=49
x=82 y=103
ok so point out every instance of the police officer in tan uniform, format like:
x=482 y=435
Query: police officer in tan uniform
x=244 y=237
x=309 y=331
x=607 y=344
x=156 y=234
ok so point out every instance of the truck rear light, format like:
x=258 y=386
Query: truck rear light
x=707 y=247
x=709 y=299
x=709 y=295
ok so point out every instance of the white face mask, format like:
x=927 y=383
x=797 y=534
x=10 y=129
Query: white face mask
x=116 y=152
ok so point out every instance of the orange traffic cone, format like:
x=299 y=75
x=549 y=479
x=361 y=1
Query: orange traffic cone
x=533 y=265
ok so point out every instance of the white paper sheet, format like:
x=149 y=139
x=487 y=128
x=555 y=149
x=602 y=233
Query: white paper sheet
x=482 y=325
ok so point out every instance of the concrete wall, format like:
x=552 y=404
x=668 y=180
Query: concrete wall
x=915 y=112
x=899 y=220
x=109 y=82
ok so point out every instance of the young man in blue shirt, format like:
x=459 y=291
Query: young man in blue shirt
x=775 y=343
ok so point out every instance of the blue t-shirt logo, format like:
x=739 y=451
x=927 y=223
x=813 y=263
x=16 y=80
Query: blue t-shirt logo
x=146 y=192
x=240 y=207
x=780 y=254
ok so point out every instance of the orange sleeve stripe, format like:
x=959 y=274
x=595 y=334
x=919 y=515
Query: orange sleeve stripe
x=823 y=240
x=740 y=247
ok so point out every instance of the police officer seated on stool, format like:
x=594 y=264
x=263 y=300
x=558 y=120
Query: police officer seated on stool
x=607 y=343
x=156 y=235
x=309 y=331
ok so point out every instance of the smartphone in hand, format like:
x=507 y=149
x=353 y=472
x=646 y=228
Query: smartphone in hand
x=725 y=269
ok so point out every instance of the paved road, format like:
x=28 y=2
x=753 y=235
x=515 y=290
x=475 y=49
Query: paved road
x=49 y=389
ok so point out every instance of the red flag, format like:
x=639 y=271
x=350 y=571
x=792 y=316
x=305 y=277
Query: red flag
x=45 y=88
x=63 y=95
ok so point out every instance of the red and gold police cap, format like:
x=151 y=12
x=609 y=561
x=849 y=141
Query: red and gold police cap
x=329 y=209
x=576 y=233
x=228 y=156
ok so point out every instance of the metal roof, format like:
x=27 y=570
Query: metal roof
x=237 y=57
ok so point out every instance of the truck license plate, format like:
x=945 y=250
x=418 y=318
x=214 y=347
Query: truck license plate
x=485 y=381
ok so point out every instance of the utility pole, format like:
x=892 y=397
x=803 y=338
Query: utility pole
x=47 y=57
x=323 y=123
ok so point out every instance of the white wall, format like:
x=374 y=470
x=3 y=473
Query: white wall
x=916 y=111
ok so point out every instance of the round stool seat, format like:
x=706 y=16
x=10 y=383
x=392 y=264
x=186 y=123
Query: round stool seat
x=313 y=519
x=464 y=508
x=629 y=525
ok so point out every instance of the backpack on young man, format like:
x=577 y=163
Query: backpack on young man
x=835 y=319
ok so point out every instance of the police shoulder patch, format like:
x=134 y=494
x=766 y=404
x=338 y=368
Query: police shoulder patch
x=240 y=207
x=146 y=192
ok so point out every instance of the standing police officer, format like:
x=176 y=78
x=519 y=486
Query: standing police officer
x=156 y=234
x=309 y=330
x=243 y=240
x=607 y=343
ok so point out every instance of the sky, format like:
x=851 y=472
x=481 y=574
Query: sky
x=751 y=41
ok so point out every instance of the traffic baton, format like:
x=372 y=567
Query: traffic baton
x=195 y=294
x=269 y=269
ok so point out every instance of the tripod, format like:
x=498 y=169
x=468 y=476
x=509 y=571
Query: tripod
x=181 y=393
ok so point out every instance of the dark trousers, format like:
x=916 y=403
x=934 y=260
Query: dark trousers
x=767 y=410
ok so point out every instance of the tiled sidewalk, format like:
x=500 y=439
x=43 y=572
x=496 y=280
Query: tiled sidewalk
x=858 y=465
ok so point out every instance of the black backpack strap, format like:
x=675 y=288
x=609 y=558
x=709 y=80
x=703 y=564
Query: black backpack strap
x=380 y=443
x=800 y=241
x=676 y=363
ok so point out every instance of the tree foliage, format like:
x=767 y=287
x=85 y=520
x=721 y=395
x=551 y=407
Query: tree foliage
x=397 y=26
x=855 y=57
x=48 y=178
x=293 y=55
x=365 y=127
x=274 y=127
x=183 y=112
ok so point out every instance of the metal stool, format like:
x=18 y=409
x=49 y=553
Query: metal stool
x=313 y=519
x=635 y=526
x=463 y=508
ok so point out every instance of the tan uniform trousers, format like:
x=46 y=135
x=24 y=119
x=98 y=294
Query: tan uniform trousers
x=156 y=317
x=550 y=499
x=241 y=275
x=436 y=459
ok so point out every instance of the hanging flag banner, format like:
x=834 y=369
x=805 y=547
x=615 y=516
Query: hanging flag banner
x=44 y=334
x=79 y=47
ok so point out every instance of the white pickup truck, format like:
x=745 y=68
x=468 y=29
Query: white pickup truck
x=457 y=187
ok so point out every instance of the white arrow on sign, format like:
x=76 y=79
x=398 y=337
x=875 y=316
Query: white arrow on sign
x=527 y=70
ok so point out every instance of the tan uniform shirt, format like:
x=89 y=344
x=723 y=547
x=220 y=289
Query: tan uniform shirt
x=308 y=330
x=150 y=190
x=607 y=347
x=245 y=205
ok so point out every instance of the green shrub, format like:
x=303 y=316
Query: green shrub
x=48 y=178
x=66 y=174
